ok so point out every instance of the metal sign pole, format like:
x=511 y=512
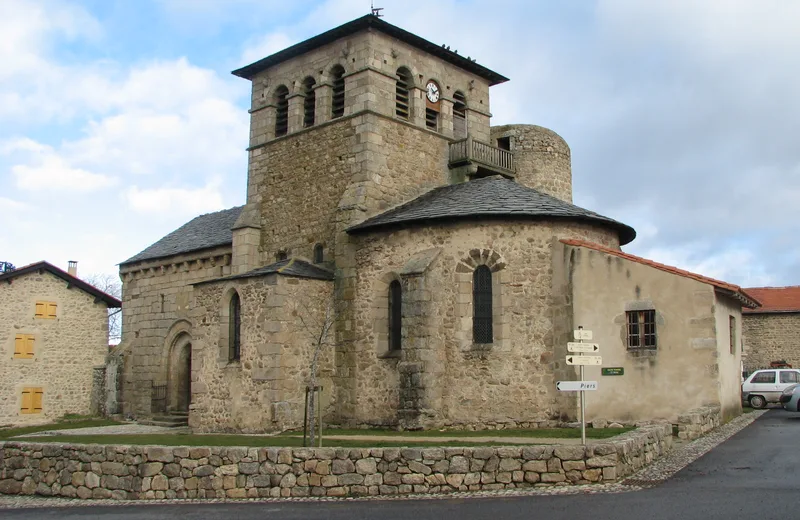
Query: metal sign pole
x=583 y=401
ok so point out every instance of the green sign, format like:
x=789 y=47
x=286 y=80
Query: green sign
x=613 y=371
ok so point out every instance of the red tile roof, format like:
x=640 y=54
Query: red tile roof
x=776 y=299
x=748 y=299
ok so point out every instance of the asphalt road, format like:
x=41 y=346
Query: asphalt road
x=754 y=475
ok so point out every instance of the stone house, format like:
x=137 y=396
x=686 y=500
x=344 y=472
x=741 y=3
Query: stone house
x=53 y=333
x=772 y=331
x=446 y=254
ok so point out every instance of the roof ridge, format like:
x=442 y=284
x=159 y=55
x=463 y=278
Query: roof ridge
x=85 y=286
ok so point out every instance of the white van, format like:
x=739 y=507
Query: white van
x=765 y=386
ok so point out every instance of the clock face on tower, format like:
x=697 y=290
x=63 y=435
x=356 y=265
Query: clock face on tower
x=432 y=92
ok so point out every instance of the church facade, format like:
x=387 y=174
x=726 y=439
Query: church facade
x=428 y=267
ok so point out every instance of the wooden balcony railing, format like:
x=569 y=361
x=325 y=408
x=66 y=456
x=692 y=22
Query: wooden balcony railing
x=470 y=150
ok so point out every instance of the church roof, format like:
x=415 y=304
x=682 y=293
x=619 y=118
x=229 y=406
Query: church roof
x=203 y=232
x=370 y=22
x=289 y=267
x=72 y=281
x=488 y=198
x=776 y=299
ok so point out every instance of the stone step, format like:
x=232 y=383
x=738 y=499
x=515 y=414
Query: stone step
x=167 y=420
x=166 y=424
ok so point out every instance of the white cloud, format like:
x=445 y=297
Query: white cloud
x=9 y=205
x=183 y=201
x=265 y=46
x=54 y=174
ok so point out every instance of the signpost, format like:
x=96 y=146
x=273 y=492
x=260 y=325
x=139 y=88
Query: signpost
x=612 y=371
x=581 y=386
x=576 y=386
x=582 y=347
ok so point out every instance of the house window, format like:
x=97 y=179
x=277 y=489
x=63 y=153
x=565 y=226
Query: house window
x=431 y=119
x=641 y=329
x=31 y=400
x=402 y=98
x=732 y=330
x=45 y=310
x=309 y=103
x=337 y=102
x=235 y=328
x=319 y=254
x=504 y=143
x=281 y=255
x=395 y=315
x=23 y=346
x=281 y=111
x=482 y=305
x=459 y=115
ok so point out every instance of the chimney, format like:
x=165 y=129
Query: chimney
x=72 y=268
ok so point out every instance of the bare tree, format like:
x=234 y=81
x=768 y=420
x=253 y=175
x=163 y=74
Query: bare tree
x=319 y=333
x=111 y=285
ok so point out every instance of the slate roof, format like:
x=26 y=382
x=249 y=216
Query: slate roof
x=744 y=296
x=203 y=232
x=489 y=197
x=370 y=22
x=72 y=280
x=289 y=267
x=776 y=299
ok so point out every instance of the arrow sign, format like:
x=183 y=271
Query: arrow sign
x=576 y=386
x=584 y=360
x=582 y=347
x=582 y=334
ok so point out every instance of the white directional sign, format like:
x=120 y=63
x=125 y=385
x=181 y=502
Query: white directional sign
x=584 y=360
x=582 y=334
x=576 y=386
x=582 y=347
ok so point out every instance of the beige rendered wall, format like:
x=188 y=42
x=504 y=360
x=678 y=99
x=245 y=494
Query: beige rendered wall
x=661 y=384
x=265 y=389
x=729 y=365
x=66 y=348
x=771 y=337
x=463 y=384
x=157 y=300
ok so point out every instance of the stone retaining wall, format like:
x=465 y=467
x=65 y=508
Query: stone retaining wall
x=698 y=421
x=155 y=472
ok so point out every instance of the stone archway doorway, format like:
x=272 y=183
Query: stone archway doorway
x=179 y=375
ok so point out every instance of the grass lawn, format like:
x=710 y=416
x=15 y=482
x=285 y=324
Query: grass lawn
x=550 y=433
x=58 y=425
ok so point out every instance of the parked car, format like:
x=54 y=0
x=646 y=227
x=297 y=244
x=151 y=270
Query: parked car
x=765 y=386
x=790 y=398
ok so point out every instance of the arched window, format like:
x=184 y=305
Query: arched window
x=281 y=111
x=402 y=98
x=459 y=115
x=395 y=315
x=482 y=305
x=309 y=103
x=337 y=102
x=319 y=254
x=235 y=328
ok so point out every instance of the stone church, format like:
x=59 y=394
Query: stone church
x=442 y=255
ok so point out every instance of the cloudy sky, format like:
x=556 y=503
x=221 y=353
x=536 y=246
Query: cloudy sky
x=120 y=121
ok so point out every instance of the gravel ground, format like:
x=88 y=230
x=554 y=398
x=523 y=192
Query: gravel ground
x=122 y=429
x=681 y=456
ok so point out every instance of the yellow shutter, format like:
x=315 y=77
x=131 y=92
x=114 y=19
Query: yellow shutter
x=40 y=309
x=23 y=346
x=36 y=400
x=29 y=340
x=27 y=400
x=50 y=310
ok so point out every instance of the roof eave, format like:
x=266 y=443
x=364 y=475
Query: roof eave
x=359 y=24
x=131 y=260
x=99 y=295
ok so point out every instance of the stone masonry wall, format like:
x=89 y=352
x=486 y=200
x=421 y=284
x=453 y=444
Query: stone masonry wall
x=264 y=390
x=152 y=472
x=771 y=337
x=697 y=422
x=465 y=385
x=157 y=298
x=66 y=349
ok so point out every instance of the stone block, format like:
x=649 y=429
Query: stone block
x=553 y=477
x=148 y=469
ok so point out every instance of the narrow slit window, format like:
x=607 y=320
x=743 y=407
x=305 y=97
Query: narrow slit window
x=402 y=93
x=319 y=254
x=309 y=103
x=431 y=119
x=235 y=328
x=732 y=332
x=281 y=111
x=337 y=102
x=482 y=305
x=395 y=315
x=459 y=115
x=641 y=329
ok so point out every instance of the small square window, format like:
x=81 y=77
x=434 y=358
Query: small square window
x=641 y=331
x=45 y=310
x=23 y=346
x=31 y=400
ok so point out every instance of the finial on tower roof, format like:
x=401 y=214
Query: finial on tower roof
x=376 y=11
